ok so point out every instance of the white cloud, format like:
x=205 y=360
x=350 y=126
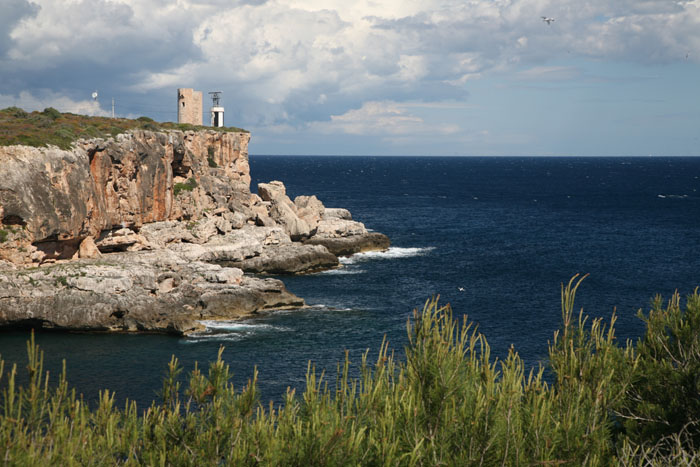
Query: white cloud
x=31 y=102
x=290 y=62
x=382 y=118
x=549 y=73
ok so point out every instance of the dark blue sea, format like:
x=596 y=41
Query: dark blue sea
x=508 y=231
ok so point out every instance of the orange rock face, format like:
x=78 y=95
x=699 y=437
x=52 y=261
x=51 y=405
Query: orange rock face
x=52 y=199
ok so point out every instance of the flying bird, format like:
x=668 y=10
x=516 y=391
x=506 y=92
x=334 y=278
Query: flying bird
x=547 y=20
x=461 y=289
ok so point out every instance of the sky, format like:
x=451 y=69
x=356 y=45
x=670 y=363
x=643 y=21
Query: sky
x=389 y=77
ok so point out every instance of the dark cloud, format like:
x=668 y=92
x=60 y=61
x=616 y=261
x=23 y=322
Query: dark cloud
x=13 y=11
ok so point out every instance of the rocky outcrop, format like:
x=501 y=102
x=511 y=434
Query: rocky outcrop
x=155 y=291
x=154 y=231
x=51 y=199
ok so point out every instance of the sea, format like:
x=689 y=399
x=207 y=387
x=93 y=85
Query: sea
x=494 y=237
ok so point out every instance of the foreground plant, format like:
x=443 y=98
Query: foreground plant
x=448 y=403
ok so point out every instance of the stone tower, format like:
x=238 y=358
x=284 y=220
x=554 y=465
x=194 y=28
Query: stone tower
x=189 y=106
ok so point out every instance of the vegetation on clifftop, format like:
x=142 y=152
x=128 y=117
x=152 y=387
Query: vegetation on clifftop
x=51 y=127
x=449 y=403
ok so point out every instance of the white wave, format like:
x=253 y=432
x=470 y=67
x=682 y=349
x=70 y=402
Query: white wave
x=239 y=326
x=222 y=336
x=393 y=252
x=673 y=196
x=342 y=271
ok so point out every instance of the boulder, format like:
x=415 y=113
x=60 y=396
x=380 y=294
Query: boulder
x=88 y=249
x=121 y=240
x=285 y=216
x=309 y=209
x=337 y=213
x=346 y=246
x=289 y=258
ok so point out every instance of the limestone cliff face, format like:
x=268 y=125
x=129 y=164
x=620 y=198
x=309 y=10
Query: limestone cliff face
x=50 y=199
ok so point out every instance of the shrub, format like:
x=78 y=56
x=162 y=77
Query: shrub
x=664 y=400
x=189 y=185
x=51 y=113
x=145 y=119
x=15 y=112
x=3 y=235
x=449 y=403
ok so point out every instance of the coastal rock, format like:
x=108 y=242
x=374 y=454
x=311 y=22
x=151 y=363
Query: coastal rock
x=56 y=196
x=285 y=216
x=346 y=246
x=145 y=291
x=336 y=213
x=309 y=209
x=160 y=234
x=335 y=227
x=289 y=258
x=152 y=231
x=121 y=240
x=274 y=191
x=88 y=249
x=344 y=237
x=284 y=212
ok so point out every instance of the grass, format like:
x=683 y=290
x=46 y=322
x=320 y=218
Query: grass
x=51 y=127
x=448 y=403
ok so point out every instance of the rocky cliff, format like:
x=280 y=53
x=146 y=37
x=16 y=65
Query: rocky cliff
x=73 y=223
x=51 y=199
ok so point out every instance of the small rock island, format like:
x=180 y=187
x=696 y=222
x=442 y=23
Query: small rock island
x=153 y=230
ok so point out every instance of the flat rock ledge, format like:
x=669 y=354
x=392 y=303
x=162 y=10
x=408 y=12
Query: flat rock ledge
x=148 y=291
x=346 y=246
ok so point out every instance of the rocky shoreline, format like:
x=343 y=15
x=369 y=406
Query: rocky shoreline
x=154 y=232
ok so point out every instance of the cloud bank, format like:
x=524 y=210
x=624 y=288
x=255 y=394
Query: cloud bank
x=324 y=65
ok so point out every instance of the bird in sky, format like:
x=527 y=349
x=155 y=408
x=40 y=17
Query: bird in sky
x=461 y=289
x=547 y=20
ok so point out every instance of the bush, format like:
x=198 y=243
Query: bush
x=189 y=185
x=15 y=112
x=664 y=400
x=145 y=119
x=449 y=403
x=51 y=113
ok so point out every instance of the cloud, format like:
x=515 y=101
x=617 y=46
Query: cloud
x=549 y=73
x=31 y=102
x=13 y=12
x=295 y=62
x=382 y=118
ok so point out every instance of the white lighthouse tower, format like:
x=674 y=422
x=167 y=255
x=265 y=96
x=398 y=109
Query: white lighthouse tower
x=217 y=112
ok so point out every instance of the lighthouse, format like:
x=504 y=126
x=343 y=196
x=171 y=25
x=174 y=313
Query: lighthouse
x=217 y=112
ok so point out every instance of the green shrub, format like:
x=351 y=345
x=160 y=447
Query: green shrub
x=62 y=280
x=51 y=113
x=664 y=400
x=3 y=235
x=448 y=403
x=150 y=126
x=15 y=112
x=145 y=119
x=189 y=185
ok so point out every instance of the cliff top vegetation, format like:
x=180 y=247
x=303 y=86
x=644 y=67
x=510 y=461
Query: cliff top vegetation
x=51 y=127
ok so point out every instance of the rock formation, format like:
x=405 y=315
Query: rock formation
x=73 y=224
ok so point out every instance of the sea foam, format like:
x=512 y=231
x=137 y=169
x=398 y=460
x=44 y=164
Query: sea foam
x=393 y=252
